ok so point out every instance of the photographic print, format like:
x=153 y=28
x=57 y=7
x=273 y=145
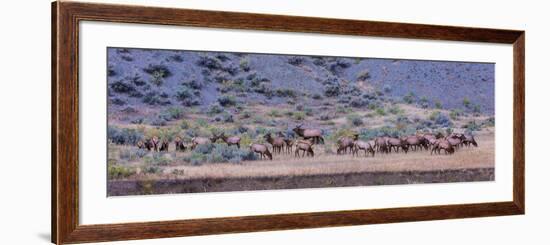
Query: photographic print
x=203 y=121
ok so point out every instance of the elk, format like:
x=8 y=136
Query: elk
x=261 y=149
x=455 y=139
x=381 y=144
x=417 y=142
x=164 y=145
x=308 y=133
x=470 y=140
x=288 y=142
x=306 y=146
x=442 y=144
x=232 y=140
x=179 y=144
x=277 y=143
x=155 y=143
x=361 y=145
x=141 y=145
x=343 y=144
x=202 y=141
x=396 y=143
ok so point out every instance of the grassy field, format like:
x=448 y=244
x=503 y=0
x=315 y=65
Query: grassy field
x=330 y=163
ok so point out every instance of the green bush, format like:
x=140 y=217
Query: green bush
x=274 y=113
x=355 y=120
x=299 y=115
x=380 y=111
x=227 y=100
x=119 y=172
x=157 y=159
x=438 y=104
x=466 y=102
x=409 y=98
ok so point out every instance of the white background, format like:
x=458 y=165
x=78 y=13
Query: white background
x=24 y=212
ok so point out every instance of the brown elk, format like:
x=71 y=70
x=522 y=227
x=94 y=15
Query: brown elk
x=381 y=144
x=470 y=140
x=164 y=145
x=140 y=145
x=396 y=143
x=277 y=143
x=309 y=133
x=195 y=141
x=455 y=140
x=306 y=146
x=363 y=146
x=416 y=142
x=155 y=143
x=343 y=144
x=231 y=140
x=179 y=144
x=442 y=144
x=262 y=150
x=288 y=142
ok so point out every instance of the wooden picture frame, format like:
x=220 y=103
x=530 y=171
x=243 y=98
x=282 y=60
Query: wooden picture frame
x=65 y=122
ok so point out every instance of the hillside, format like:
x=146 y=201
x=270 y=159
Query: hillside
x=162 y=78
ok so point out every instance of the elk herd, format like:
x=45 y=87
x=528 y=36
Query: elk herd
x=308 y=137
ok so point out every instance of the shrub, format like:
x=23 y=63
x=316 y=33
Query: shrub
x=136 y=80
x=472 y=126
x=111 y=72
x=299 y=115
x=226 y=101
x=172 y=113
x=157 y=159
x=337 y=66
x=395 y=110
x=295 y=60
x=204 y=148
x=274 y=113
x=316 y=96
x=285 y=93
x=440 y=119
x=176 y=58
x=387 y=88
x=409 y=98
x=122 y=87
x=424 y=102
x=359 y=102
x=454 y=114
x=209 y=62
x=160 y=71
x=119 y=172
x=363 y=75
x=438 y=104
x=128 y=136
x=118 y=101
x=332 y=90
x=132 y=154
x=152 y=169
x=214 y=109
x=477 y=109
x=466 y=102
x=380 y=111
x=244 y=65
x=355 y=120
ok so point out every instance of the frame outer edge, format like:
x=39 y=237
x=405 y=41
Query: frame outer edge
x=54 y=184
x=65 y=224
x=519 y=122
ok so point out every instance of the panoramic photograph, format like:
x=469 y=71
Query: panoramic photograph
x=184 y=121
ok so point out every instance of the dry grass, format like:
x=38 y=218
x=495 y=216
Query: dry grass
x=287 y=164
